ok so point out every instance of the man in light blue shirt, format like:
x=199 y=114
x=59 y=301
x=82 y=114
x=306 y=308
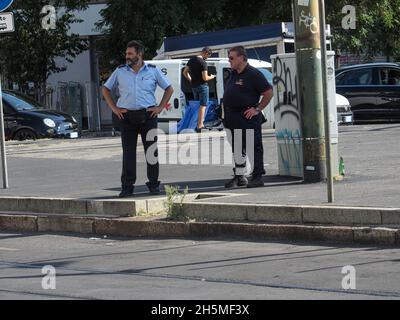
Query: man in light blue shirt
x=137 y=111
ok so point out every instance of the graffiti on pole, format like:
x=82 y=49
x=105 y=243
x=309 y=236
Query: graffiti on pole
x=309 y=21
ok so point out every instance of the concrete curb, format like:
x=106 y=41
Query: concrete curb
x=18 y=223
x=201 y=210
x=130 y=227
x=122 y=208
x=301 y=214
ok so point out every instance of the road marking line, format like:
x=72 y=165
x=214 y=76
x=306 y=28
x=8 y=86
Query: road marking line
x=8 y=249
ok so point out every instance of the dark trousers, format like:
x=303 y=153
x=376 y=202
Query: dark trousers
x=237 y=121
x=133 y=124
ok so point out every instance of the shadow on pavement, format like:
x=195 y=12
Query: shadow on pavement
x=205 y=186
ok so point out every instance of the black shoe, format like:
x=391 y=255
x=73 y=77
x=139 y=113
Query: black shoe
x=256 y=182
x=236 y=182
x=154 y=190
x=200 y=130
x=127 y=192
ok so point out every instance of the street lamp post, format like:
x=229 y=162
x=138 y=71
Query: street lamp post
x=2 y=143
x=7 y=20
x=309 y=70
x=324 y=59
x=309 y=21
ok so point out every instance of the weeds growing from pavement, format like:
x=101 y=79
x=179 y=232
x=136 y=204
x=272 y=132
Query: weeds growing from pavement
x=174 y=202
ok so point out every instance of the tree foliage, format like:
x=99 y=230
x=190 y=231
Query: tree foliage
x=376 y=32
x=29 y=53
x=152 y=20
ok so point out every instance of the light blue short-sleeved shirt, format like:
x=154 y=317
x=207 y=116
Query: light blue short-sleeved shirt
x=137 y=90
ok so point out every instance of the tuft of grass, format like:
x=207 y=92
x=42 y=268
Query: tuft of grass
x=174 y=203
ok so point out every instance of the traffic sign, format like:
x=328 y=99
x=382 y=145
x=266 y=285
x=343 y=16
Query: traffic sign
x=4 y=4
x=7 y=22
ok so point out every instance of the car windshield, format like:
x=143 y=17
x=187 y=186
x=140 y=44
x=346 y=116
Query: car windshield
x=266 y=74
x=21 y=102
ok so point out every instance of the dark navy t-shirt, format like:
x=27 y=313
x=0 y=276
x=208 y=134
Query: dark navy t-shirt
x=197 y=65
x=244 y=90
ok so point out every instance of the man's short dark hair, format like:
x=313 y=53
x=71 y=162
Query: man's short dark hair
x=207 y=50
x=240 y=51
x=139 y=47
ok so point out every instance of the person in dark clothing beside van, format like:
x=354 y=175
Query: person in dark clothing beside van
x=196 y=72
x=243 y=111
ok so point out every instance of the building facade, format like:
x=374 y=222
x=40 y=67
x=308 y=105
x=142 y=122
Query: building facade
x=76 y=90
x=261 y=42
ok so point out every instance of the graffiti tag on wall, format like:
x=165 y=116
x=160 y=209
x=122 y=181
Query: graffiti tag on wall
x=283 y=79
x=287 y=111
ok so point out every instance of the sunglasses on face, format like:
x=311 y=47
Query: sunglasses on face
x=233 y=58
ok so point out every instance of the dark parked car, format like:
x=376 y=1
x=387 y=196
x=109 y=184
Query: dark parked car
x=26 y=119
x=373 y=90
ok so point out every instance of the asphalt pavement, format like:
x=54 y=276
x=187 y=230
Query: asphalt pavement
x=190 y=269
x=91 y=168
x=88 y=267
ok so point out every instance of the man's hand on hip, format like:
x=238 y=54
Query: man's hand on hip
x=251 y=113
x=155 y=111
x=119 y=112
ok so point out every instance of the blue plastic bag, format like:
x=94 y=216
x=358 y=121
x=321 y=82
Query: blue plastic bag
x=191 y=116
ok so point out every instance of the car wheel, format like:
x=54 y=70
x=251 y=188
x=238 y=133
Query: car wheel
x=25 y=134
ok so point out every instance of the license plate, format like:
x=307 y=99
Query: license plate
x=74 y=135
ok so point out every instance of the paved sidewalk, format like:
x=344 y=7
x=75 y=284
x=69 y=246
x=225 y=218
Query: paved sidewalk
x=90 y=169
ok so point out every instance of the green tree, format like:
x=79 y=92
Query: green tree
x=29 y=53
x=150 y=21
x=245 y=13
x=376 y=30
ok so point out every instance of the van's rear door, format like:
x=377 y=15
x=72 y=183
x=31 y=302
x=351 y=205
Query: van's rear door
x=172 y=70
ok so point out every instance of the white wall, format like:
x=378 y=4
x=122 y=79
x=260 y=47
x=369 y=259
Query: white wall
x=89 y=16
x=78 y=71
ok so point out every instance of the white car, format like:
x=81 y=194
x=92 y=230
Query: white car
x=344 y=113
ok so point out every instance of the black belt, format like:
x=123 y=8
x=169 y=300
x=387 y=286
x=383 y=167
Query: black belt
x=235 y=110
x=139 y=111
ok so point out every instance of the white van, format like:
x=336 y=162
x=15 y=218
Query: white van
x=173 y=69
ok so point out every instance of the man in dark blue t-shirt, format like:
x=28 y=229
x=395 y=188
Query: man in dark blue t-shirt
x=243 y=111
x=196 y=72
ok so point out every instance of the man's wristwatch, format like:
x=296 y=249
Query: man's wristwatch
x=258 y=109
